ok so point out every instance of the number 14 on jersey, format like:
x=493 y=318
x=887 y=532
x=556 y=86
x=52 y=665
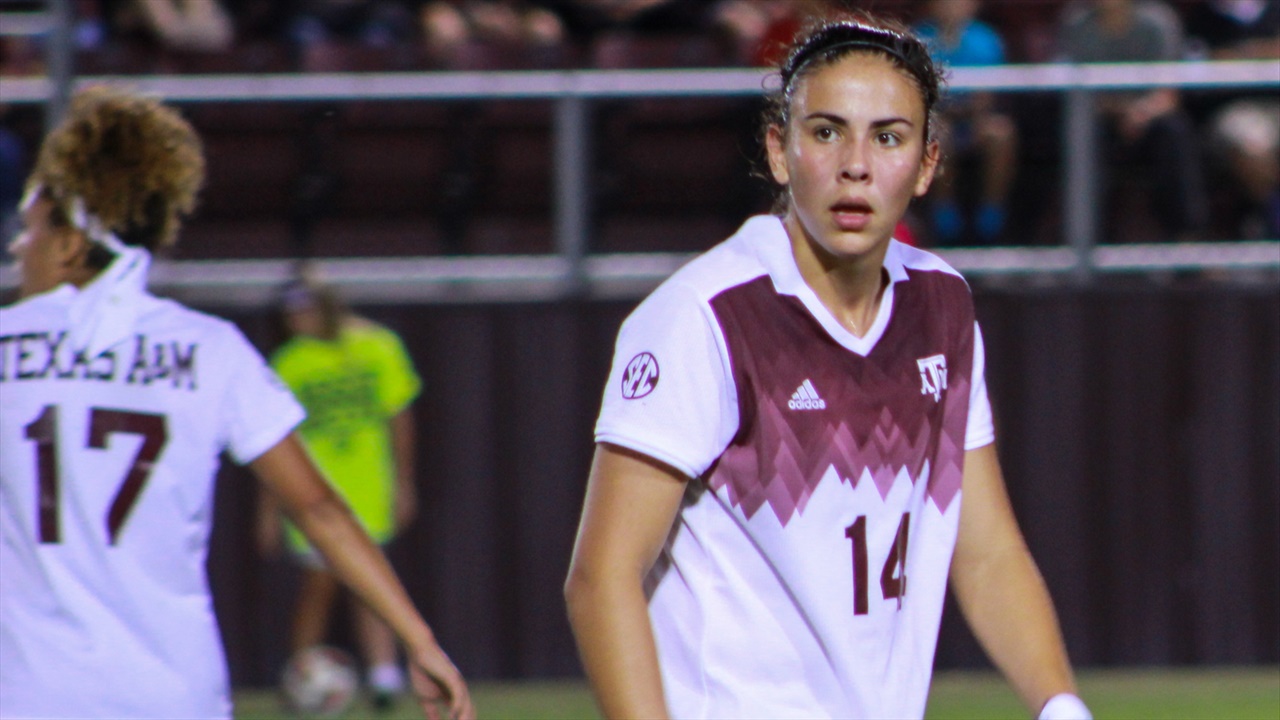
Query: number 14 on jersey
x=893 y=575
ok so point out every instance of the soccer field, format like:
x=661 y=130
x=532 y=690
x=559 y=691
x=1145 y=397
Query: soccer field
x=1229 y=694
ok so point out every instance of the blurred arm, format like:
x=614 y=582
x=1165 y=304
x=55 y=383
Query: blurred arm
x=630 y=506
x=1000 y=590
x=322 y=515
x=404 y=448
x=267 y=529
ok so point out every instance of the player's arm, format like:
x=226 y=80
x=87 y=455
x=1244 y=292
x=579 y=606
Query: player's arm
x=630 y=506
x=267 y=527
x=1002 y=595
x=320 y=513
x=403 y=447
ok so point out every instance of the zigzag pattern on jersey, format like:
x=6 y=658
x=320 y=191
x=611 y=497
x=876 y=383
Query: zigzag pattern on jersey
x=882 y=451
x=876 y=421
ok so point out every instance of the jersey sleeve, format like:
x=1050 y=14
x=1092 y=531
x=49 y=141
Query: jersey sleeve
x=980 y=429
x=670 y=394
x=258 y=410
x=398 y=383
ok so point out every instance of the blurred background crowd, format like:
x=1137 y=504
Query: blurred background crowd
x=1177 y=165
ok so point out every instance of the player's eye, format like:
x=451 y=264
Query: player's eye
x=888 y=139
x=825 y=133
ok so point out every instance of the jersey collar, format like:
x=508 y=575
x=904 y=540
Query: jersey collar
x=769 y=238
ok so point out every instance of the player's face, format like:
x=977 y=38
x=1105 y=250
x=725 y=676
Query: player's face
x=853 y=154
x=305 y=319
x=48 y=255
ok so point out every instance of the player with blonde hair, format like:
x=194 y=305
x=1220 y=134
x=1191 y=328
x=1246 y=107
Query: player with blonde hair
x=116 y=407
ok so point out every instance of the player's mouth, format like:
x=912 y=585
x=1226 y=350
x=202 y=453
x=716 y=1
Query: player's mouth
x=852 y=215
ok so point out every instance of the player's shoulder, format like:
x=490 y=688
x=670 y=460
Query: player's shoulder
x=159 y=314
x=35 y=311
x=360 y=329
x=933 y=293
x=929 y=275
x=735 y=261
x=918 y=260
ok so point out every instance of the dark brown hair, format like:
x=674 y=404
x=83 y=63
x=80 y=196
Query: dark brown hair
x=306 y=291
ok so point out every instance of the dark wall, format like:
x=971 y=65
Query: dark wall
x=1139 y=428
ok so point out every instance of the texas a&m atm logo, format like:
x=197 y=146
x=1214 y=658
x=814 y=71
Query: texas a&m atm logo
x=933 y=375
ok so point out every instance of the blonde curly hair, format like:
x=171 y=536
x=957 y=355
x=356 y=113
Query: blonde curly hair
x=136 y=164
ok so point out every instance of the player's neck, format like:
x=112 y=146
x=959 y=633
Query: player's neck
x=851 y=291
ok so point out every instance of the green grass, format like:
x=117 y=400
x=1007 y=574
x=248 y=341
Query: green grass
x=555 y=700
x=1229 y=694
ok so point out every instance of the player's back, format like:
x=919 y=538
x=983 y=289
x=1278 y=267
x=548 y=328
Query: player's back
x=107 y=466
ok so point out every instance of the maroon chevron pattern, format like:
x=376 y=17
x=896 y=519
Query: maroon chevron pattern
x=876 y=423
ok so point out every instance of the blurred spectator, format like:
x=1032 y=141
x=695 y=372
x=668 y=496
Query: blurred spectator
x=376 y=23
x=1243 y=129
x=265 y=20
x=13 y=166
x=19 y=56
x=197 y=26
x=1244 y=138
x=190 y=25
x=92 y=26
x=1236 y=29
x=975 y=128
x=585 y=19
x=1148 y=136
x=449 y=24
x=758 y=31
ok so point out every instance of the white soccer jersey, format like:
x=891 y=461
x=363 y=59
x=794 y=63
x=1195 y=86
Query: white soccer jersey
x=107 y=468
x=807 y=570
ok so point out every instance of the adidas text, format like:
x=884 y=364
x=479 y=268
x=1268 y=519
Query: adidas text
x=806 y=398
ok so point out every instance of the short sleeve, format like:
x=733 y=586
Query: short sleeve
x=670 y=394
x=980 y=429
x=258 y=410
x=398 y=383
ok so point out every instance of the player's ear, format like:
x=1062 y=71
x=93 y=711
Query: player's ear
x=72 y=248
x=928 y=167
x=775 y=145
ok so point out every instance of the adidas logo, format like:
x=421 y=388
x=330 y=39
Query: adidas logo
x=806 y=398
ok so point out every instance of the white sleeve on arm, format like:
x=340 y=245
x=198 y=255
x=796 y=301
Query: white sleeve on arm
x=258 y=410
x=670 y=394
x=981 y=428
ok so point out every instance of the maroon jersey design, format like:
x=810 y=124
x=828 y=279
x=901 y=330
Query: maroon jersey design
x=883 y=412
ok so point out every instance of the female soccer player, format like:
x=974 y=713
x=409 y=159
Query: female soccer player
x=356 y=382
x=116 y=407
x=796 y=446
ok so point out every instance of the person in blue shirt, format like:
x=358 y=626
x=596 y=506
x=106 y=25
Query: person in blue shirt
x=974 y=124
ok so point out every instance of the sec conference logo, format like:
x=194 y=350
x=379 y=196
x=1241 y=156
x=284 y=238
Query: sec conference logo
x=641 y=376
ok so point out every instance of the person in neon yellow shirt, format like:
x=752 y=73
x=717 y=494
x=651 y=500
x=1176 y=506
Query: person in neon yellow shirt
x=357 y=383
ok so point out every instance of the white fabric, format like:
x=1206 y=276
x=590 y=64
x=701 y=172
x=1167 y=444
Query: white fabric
x=753 y=618
x=1065 y=707
x=104 y=311
x=95 y=629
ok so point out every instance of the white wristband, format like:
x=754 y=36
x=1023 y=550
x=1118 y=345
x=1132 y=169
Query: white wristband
x=1065 y=706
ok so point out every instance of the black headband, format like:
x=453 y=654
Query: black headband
x=906 y=49
x=296 y=295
